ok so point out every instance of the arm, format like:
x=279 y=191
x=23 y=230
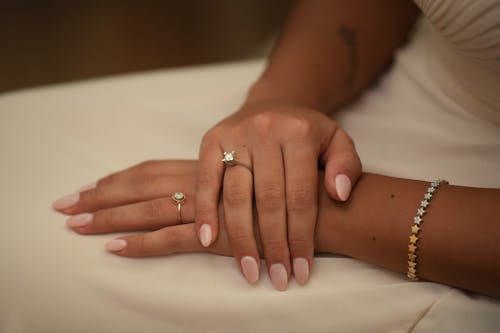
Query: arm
x=458 y=246
x=331 y=50
x=459 y=243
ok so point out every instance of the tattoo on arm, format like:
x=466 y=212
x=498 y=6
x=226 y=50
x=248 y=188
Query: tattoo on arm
x=348 y=35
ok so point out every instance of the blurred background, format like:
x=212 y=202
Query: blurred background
x=49 y=41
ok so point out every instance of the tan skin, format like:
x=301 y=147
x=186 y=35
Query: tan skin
x=458 y=246
x=329 y=52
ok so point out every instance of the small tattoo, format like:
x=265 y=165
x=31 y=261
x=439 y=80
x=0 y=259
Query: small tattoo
x=349 y=37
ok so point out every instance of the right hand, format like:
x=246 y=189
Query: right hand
x=282 y=144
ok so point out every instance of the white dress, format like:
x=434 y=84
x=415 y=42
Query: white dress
x=430 y=116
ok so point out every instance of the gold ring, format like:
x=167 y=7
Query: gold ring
x=178 y=198
x=230 y=160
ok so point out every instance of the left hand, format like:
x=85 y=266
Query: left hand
x=139 y=198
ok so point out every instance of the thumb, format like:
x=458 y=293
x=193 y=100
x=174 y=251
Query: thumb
x=343 y=166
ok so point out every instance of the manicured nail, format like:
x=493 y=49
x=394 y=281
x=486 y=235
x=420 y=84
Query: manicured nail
x=205 y=235
x=343 y=185
x=279 y=277
x=301 y=270
x=115 y=245
x=66 y=202
x=250 y=269
x=87 y=187
x=80 y=220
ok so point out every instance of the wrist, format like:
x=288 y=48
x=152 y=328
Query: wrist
x=270 y=91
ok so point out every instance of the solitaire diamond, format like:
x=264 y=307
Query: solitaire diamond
x=229 y=157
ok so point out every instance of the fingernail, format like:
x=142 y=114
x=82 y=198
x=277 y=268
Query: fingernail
x=205 y=235
x=116 y=245
x=301 y=270
x=250 y=269
x=343 y=185
x=279 y=277
x=80 y=220
x=87 y=187
x=66 y=202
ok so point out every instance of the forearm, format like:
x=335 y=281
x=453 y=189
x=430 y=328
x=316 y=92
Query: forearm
x=331 y=50
x=459 y=242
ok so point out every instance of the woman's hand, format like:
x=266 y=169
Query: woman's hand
x=281 y=146
x=139 y=198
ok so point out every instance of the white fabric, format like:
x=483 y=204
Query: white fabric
x=464 y=54
x=55 y=139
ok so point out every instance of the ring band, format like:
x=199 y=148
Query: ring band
x=230 y=160
x=178 y=198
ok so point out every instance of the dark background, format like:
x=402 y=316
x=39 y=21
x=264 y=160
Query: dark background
x=44 y=42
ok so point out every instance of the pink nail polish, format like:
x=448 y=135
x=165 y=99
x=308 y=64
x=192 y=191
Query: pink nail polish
x=250 y=269
x=116 y=245
x=80 y=220
x=66 y=201
x=205 y=235
x=343 y=185
x=279 y=277
x=301 y=270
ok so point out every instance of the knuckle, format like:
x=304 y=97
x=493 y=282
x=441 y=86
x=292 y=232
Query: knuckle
x=301 y=199
x=238 y=130
x=235 y=194
x=107 y=180
x=240 y=239
x=142 y=185
x=174 y=239
x=263 y=123
x=97 y=194
x=275 y=249
x=205 y=178
x=104 y=220
x=302 y=128
x=139 y=249
x=146 y=167
x=271 y=197
x=357 y=162
x=211 y=137
x=299 y=245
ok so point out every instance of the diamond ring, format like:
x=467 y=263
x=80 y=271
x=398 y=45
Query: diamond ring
x=230 y=160
x=178 y=198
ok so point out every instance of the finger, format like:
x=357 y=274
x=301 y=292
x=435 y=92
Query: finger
x=112 y=193
x=208 y=186
x=157 y=168
x=145 y=215
x=271 y=207
x=176 y=239
x=125 y=186
x=343 y=166
x=301 y=174
x=237 y=203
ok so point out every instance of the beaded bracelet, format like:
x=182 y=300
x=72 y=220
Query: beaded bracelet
x=417 y=226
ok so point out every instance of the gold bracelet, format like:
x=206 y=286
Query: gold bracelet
x=417 y=226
